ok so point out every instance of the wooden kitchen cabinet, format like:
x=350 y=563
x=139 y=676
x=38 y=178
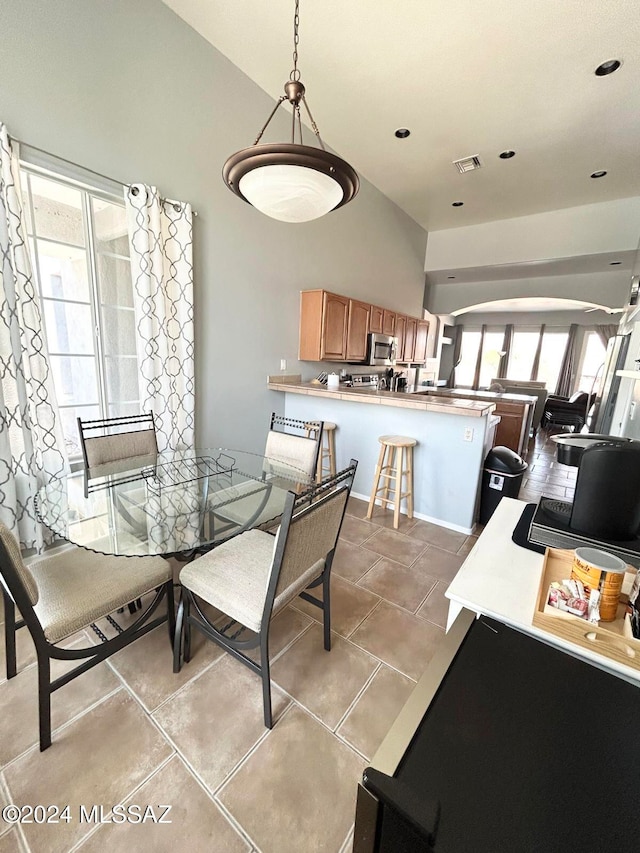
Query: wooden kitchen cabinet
x=401 y=327
x=388 y=322
x=357 y=328
x=420 y=349
x=409 y=340
x=376 y=319
x=324 y=319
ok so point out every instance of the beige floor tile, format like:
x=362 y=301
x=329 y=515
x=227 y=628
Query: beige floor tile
x=147 y=665
x=352 y=561
x=197 y=823
x=396 y=546
x=436 y=607
x=371 y=717
x=400 y=639
x=25 y=652
x=19 y=703
x=465 y=549
x=356 y=531
x=349 y=605
x=442 y=537
x=297 y=790
x=326 y=683
x=357 y=507
x=10 y=842
x=100 y=758
x=384 y=517
x=284 y=629
x=217 y=718
x=441 y=565
x=403 y=585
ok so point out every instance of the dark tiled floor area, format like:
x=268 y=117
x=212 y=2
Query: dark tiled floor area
x=131 y=731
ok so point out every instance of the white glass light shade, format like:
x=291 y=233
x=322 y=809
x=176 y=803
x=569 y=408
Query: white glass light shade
x=290 y=193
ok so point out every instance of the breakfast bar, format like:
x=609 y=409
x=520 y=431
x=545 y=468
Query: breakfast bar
x=453 y=438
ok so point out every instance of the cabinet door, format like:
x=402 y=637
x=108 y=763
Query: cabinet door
x=509 y=431
x=409 y=340
x=335 y=315
x=375 y=319
x=420 y=352
x=401 y=328
x=357 y=330
x=388 y=322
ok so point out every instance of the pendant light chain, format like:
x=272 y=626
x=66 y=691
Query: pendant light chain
x=295 y=74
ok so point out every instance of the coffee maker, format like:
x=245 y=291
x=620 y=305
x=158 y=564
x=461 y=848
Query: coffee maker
x=605 y=512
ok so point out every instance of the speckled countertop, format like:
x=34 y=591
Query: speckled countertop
x=430 y=402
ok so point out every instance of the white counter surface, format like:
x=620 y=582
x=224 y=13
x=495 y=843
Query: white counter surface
x=501 y=579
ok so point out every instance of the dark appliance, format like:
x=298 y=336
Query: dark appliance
x=606 y=506
x=571 y=445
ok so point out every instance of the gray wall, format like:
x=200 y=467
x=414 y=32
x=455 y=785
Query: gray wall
x=128 y=89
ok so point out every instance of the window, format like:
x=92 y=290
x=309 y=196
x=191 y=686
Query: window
x=523 y=352
x=554 y=344
x=593 y=352
x=80 y=249
x=491 y=354
x=468 y=357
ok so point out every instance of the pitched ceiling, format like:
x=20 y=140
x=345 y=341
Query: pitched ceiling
x=466 y=77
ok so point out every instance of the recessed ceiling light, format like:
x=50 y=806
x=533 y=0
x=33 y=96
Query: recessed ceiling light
x=451 y=276
x=402 y=132
x=457 y=204
x=607 y=67
x=507 y=155
x=614 y=263
x=599 y=174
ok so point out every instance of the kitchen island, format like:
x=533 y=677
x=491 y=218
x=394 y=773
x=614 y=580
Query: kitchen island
x=453 y=435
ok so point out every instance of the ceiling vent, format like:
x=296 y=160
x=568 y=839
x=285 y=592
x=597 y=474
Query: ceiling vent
x=467 y=164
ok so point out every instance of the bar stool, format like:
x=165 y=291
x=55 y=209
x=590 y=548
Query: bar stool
x=327 y=455
x=391 y=468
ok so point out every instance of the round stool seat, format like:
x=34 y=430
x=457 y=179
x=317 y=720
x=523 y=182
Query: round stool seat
x=328 y=425
x=397 y=441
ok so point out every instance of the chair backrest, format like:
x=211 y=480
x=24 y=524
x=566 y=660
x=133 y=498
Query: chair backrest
x=12 y=568
x=115 y=439
x=307 y=538
x=294 y=447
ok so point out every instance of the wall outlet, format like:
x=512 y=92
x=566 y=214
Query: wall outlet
x=283 y=364
x=468 y=434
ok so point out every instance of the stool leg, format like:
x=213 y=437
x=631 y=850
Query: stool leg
x=388 y=469
x=376 y=481
x=409 y=475
x=398 y=492
x=332 y=452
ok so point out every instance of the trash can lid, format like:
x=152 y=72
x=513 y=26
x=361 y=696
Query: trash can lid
x=505 y=461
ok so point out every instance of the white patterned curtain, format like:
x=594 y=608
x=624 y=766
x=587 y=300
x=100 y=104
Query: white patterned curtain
x=160 y=235
x=31 y=443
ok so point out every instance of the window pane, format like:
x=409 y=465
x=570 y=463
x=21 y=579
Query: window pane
x=75 y=379
x=58 y=211
x=523 y=351
x=69 y=419
x=594 y=352
x=63 y=271
x=110 y=221
x=491 y=350
x=69 y=327
x=468 y=354
x=551 y=355
x=114 y=278
x=24 y=186
x=122 y=380
x=119 y=331
x=123 y=410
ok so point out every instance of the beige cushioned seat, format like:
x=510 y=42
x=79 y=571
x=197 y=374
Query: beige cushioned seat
x=77 y=586
x=235 y=577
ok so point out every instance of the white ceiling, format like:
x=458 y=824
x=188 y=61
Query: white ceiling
x=466 y=77
x=534 y=303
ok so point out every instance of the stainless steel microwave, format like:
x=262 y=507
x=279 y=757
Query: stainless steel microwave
x=381 y=349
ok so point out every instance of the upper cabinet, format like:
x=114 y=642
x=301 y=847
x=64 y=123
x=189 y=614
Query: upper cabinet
x=335 y=328
x=376 y=317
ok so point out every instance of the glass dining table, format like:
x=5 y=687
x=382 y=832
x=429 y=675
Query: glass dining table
x=175 y=503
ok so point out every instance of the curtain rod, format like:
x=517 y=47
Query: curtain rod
x=84 y=168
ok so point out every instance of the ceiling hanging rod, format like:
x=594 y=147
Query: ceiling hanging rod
x=86 y=169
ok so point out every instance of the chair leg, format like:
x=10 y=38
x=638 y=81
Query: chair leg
x=187 y=626
x=178 y=637
x=326 y=608
x=266 y=677
x=10 y=634
x=44 y=700
x=171 y=611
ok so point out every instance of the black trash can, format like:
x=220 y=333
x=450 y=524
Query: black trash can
x=501 y=478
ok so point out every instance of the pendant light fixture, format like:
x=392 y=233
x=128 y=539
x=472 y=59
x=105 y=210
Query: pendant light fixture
x=291 y=181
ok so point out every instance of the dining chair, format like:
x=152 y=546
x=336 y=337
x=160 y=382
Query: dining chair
x=62 y=593
x=296 y=443
x=252 y=577
x=110 y=440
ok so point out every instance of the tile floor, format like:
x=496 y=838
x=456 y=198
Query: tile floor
x=132 y=732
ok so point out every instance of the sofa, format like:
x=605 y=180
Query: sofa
x=532 y=389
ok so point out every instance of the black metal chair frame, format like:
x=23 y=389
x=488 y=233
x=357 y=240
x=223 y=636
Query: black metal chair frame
x=190 y=613
x=103 y=424
x=303 y=427
x=15 y=595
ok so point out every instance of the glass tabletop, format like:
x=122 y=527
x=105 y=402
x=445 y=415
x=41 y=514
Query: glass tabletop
x=170 y=503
